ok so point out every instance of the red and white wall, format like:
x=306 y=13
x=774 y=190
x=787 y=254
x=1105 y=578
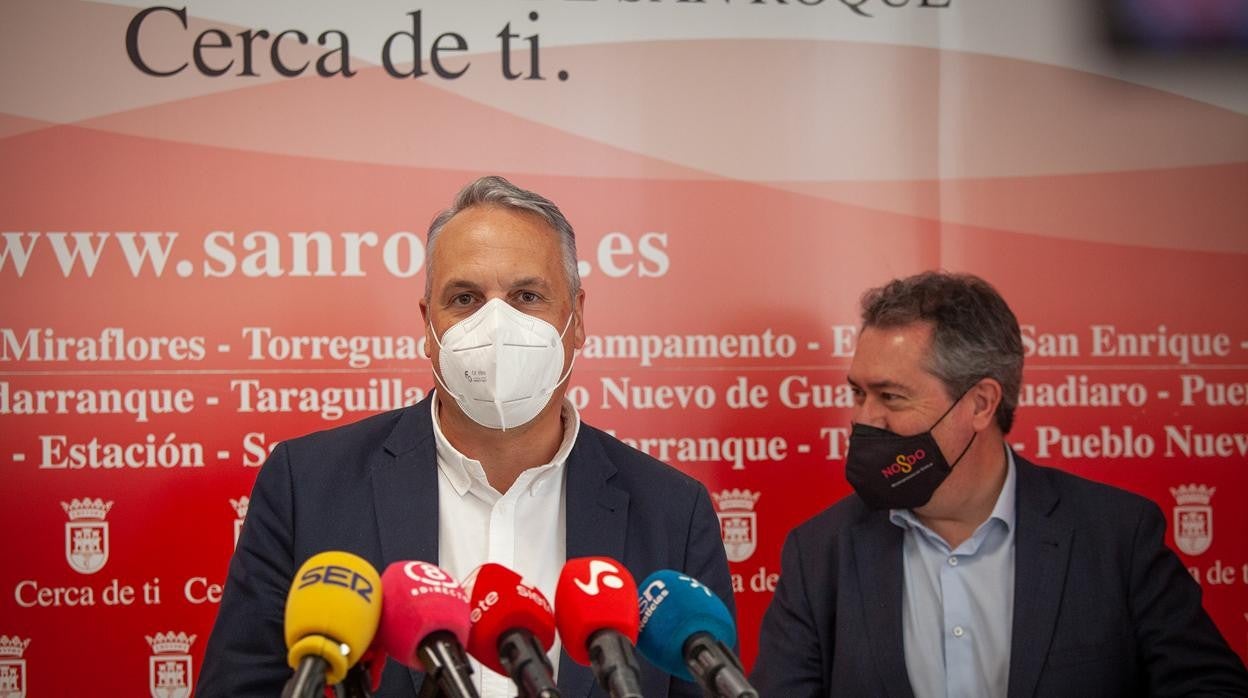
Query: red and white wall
x=196 y=266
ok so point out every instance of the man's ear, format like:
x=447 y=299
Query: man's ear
x=986 y=397
x=424 y=316
x=578 y=319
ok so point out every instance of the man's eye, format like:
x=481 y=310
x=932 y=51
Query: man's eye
x=889 y=397
x=528 y=297
x=462 y=300
x=859 y=396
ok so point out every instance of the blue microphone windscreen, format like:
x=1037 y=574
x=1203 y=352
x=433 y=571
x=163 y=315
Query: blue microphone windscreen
x=673 y=607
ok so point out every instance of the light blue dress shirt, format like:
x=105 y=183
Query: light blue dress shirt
x=958 y=605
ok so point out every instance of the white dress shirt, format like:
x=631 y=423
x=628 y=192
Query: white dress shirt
x=523 y=529
x=958 y=605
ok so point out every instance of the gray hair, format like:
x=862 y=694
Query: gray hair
x=496 y=191
x=974 y=333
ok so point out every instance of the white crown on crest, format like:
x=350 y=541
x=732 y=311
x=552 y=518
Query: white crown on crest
x=86 y=508
x=736 y=500
x=12 y=646
x=1192 y=494
x=240 y=506
x=169 y=643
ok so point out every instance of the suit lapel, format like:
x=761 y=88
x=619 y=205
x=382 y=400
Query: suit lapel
x=1042 y=544
x=878 y=550
x=405 y=493
x=597 y=518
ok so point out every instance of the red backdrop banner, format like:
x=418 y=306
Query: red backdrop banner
x=196 y=266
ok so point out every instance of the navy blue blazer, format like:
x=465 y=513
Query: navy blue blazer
x=1101 y=606
x=371 y=488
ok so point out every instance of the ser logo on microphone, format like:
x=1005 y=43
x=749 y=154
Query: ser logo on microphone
x=337 y=575
x=600 y=570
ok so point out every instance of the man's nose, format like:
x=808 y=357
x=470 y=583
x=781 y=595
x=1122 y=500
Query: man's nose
x=869 y=412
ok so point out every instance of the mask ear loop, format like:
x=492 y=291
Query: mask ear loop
x=564 y=377
x=437 y=371
x=963 y=453
x=946 y=414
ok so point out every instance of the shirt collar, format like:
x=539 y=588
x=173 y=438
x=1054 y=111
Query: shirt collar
x=462 y=471
x=1004 y=510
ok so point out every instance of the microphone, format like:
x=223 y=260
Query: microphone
x=512 y=627
x=686 y=630
x=359 y=682
x=332 y=612
x=596 y=602
x=424 y=625
x=364 y=679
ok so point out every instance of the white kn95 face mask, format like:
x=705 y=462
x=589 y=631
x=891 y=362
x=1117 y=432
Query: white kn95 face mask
x=500 y=365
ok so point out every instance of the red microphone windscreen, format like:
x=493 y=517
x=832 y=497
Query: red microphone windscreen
x=500 y=601
x=418 y=599
x=594 y=593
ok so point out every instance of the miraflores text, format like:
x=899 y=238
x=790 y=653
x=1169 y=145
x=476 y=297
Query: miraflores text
x=110 y=344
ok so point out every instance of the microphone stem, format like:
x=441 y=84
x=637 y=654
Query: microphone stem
x=356 y=684
x=446 y=663
x=716 y=668
x=309 y=679
x=615 y=664
x=523 y=658
x=732 y=684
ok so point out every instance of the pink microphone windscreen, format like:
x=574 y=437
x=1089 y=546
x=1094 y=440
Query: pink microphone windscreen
x=419 y=599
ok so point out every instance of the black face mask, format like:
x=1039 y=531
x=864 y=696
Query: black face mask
x=891 y=471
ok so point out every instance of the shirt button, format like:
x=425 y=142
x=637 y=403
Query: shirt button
x=953 y=561
x=958 y=631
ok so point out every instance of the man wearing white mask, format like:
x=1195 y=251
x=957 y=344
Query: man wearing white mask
x=495 y=466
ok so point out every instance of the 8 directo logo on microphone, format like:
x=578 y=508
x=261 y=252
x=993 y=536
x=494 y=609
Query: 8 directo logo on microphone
x=431 y=579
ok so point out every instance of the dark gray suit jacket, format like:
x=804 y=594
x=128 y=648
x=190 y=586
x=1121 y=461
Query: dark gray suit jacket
x=1101 y=606
x=371 y=488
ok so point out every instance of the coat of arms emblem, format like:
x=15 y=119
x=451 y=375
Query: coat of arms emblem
x=169 y=668
x=240 y=508
x=86 y=534
x=12 y=667
x=738 y=522
x=1193 y=518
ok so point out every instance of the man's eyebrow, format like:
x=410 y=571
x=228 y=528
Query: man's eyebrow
x=531 y=281
x=460 y=285
x=881 y=385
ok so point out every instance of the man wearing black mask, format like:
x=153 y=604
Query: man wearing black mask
x=958 y=569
